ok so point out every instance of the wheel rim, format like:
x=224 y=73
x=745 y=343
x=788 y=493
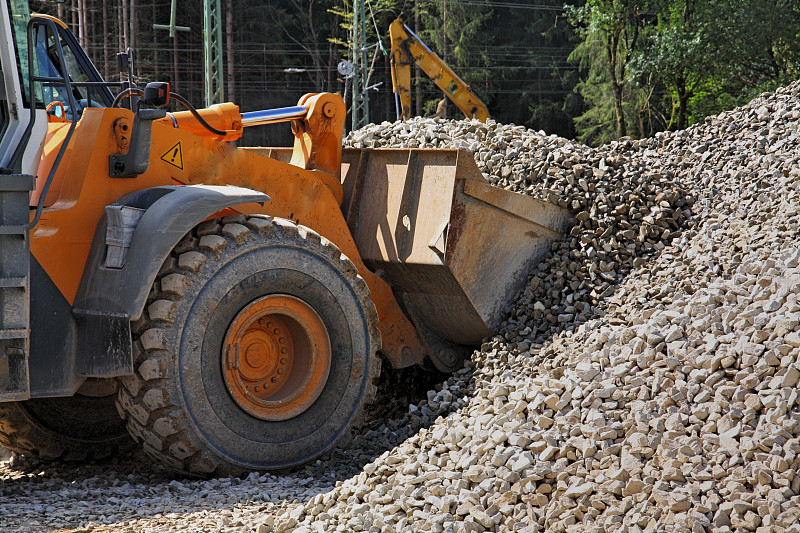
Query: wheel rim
x=276 y=357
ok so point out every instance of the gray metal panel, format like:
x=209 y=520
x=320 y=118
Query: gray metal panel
x=14 y=296
x=123 y=291
x=17 y=182
x=136 y=160
x=104 y=345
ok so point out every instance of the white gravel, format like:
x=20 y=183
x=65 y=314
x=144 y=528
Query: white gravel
x=646 y=379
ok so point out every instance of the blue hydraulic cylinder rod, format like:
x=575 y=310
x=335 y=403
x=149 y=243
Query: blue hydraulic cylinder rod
x=273 y=116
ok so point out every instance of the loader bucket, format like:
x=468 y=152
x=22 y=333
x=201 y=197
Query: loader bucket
x=455 y=249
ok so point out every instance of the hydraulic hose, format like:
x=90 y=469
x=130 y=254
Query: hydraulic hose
x=124 y=94
x=186 y=103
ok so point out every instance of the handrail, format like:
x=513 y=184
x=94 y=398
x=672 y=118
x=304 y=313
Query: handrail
x=67 y=83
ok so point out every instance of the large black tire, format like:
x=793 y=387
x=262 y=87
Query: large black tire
x=77 y=428
x=177 y=402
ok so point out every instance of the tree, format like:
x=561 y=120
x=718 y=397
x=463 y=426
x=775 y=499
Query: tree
x=678 y=53
x=306 y=23
x=616 y=26
x=758 y=40
x=713 y=54
x=458 y=33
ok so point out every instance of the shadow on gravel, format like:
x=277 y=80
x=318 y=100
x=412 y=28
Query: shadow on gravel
x=45 y=496
x=388 y=422
x=41 y=496
x=111 y=495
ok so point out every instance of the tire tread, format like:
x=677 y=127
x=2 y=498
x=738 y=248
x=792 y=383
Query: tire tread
x=178 y=450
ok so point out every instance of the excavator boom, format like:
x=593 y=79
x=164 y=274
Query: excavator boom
x=408 y=49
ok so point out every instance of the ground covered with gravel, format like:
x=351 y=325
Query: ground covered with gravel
x=646 y=379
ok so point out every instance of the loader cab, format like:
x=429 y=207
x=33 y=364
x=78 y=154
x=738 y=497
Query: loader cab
x=21 y=142
x=20 y=146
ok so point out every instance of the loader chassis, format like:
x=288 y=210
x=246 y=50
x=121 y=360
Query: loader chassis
x=230 y=302
x=294 y=194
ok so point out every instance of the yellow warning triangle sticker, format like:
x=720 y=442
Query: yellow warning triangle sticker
x=174 y=156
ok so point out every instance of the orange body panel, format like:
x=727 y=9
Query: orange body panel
x=82 y=188
x=224 y=117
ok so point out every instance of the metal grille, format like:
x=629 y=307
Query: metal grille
x=360 y=106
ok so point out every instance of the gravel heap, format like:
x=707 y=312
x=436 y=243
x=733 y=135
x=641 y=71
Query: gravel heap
x=665 y=397
x=646 y=379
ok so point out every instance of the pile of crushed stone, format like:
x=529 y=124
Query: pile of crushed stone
x=645 y=379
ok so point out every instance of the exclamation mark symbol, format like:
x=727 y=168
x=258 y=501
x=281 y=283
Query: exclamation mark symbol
x=174 y=156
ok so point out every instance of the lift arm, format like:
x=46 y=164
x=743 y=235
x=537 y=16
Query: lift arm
x=408 y=49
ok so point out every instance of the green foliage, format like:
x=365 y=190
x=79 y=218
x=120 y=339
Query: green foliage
x=665 y=64
x=550 y=99
x=636 y=66
x=611 y=31
x=596 y=125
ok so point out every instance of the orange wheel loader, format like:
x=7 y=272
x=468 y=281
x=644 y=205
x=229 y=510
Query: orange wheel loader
x=229 y=308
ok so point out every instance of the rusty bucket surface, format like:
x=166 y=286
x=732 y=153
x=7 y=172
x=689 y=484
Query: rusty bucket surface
x=455 y=249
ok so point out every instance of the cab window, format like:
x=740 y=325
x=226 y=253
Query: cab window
x=49 y=65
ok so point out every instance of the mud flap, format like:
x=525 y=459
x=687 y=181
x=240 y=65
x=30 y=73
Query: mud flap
x=104 y=343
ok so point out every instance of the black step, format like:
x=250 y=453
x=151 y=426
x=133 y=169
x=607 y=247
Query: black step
x=13 y=230
x=6 y=334
x=17 y=182
x=13 y=283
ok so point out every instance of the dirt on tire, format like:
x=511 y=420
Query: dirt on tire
x=176 y=403
x=75 y=428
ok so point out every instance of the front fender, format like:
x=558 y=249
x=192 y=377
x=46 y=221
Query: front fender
x=109 y=299
x=172 y=212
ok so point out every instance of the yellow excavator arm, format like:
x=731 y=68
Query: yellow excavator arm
x=408 y=49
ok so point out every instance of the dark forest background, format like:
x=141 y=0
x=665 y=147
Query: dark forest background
x=594 y=70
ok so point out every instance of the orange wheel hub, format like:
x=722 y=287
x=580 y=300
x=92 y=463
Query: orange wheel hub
x=276 y=357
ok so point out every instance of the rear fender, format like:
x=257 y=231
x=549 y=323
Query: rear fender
x=109 y=299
